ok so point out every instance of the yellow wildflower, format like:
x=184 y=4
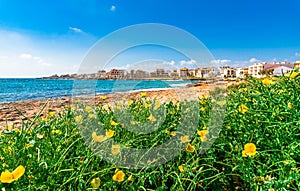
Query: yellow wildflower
x=56 y=132
x=88 y=109
x=202 y=135
x=104 y=97
x=184 y=139
x=130 y=178
x=133 y=122
x=243 y=108
x=202 y=109
x=8 y=177
x=249 y=150
x=110 y=133
x=143 y=94
x=17 y=130
x=267 y=81
x=190 y=148
x=221 y=103
x=9 y=128
x=78 y=119
x=130 y=102
x=27 y=146
x=173 y=133
x=113 y=123
x=118 y=107
x=151 y=118
x=157 y=105
x=290 y=106
x=92 y=116
x=96 y=182
x=99 y=138
x=294 y=75
x=105 y=108
x=115 y=149
x=181 y=168
x=51 y=114
x=147 y=105
x=119 y=176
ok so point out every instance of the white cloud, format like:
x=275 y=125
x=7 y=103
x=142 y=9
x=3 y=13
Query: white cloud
x=25 y=56
x=252 y=60
x=74 y=29
x=297 y=54
x=187 y=62
x=220 y=61
x=172 y=63
x=112 y=8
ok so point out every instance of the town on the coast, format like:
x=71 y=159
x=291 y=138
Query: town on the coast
x=257 y=70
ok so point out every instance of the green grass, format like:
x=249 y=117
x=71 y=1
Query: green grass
x=56 y=156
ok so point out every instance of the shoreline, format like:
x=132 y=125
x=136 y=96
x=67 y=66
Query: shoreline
x=13 y=113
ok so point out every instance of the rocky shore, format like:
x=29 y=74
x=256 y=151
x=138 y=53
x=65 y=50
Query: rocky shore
x=16 y=113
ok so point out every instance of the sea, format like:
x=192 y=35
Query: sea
x=13 y=90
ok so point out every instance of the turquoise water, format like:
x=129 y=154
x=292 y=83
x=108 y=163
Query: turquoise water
x=12 y=90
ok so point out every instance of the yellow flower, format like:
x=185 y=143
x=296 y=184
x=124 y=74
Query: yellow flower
x=27 y=146
x=45 y=119
x=151 y=118
x=51 y=114
x=88 y=109
x=104 y=97
x=118 y=107
x=113 y=123
x=110 y=133
x=115 y=149
x=190 y=148
x=105 y=108
x=173 y=133
x=290 y=106
x=202 y=109
x=56 y=132
x=143 y=94
x=9 y=128
x=119 y=176
x=294 y=75
x=267 y=81
x=17 y=130
x=184 y=139
x=243 y=108
x=172 y=112
x=180 y=168
x=78 y=119
x=249 y=150
x=130 y=178
x=157 y=105
x=133 y=122
x=92 y=116
x=95 y=182
x=147 y=105
x=221 y=103
x=202 y=135
x=99 y=138
x=7 y=177
x=130 y=102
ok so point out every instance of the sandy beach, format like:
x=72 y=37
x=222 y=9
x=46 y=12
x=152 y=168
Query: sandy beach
x=15 y=113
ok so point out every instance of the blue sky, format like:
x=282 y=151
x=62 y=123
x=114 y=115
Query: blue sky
x=46 y=37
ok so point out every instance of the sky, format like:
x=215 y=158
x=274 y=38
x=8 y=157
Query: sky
x=42 y=38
